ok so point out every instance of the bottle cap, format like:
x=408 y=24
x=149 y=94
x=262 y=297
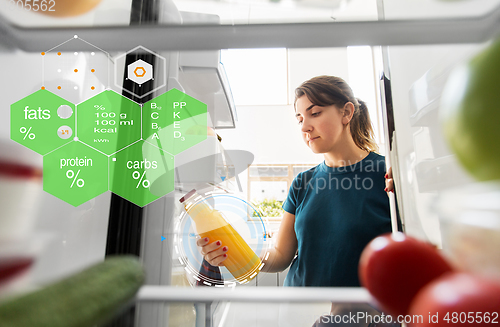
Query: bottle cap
x=187 y=196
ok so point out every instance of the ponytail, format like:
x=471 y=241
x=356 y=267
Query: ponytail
x=361 y=128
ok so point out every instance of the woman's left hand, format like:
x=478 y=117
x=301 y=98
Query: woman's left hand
x=389 y=181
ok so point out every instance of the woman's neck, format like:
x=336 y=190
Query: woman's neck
x=348 y=155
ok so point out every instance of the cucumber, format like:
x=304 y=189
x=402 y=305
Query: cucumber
x=82 y=300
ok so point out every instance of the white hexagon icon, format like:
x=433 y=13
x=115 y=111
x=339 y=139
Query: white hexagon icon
x=140 y=72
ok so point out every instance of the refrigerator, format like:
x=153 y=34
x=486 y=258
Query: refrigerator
x=412 y=48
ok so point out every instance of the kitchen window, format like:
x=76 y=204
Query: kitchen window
x=268 y=186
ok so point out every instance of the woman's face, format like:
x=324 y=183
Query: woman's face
x=322 y=127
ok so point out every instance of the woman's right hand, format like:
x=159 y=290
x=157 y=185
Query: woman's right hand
x=213 y=252
x=389 y=181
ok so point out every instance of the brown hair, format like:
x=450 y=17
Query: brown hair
x=330 y=90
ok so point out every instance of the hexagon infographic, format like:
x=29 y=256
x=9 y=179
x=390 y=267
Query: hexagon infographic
x=109 y=122
x=42 y=121
x=174 y=121
x=139 y=168
x=109 y=142
x=75 y=173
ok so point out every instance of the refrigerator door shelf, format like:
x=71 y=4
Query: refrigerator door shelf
x=470 y=222
x=440 y=174
x=425 y=93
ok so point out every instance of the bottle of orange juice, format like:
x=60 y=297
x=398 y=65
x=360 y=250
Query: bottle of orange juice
x=242 y=262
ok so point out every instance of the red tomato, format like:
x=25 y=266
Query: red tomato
x=394 y=267
x=458 y=299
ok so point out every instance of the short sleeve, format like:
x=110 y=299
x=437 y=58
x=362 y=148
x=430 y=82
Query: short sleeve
x=290 y=203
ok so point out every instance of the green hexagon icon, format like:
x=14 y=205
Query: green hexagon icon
x=42 y=121
x=75 y=173
x=108 y=122
x=141 y=173
x=174 y=121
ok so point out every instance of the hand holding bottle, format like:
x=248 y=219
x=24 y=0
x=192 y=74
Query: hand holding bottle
x=210 y=224
x=215 y=253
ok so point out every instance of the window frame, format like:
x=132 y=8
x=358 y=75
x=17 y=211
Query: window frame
x=288 y=179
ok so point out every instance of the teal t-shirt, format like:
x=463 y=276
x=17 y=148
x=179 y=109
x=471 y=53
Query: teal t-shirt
x=338 y=211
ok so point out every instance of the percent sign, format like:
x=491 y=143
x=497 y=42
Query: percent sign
x=71 y=175
x=98 y=107
x=137 y=175
x=27 y=133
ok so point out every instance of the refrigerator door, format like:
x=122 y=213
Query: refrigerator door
x=439 y=200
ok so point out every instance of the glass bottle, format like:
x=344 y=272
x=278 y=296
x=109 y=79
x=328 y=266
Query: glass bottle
x=242 y=262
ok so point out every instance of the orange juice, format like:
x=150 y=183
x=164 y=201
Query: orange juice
x=242 y=262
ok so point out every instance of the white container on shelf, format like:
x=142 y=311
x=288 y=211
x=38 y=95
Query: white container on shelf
x=470 y=220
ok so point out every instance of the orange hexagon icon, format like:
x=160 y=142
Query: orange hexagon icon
x=143 y=72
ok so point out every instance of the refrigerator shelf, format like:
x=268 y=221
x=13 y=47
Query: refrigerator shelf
x=289 y=35
x=255 y=295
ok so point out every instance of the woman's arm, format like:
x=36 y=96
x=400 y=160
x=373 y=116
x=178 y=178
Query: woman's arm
x=285 y=248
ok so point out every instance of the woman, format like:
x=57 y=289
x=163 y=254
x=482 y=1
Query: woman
x=334 y=209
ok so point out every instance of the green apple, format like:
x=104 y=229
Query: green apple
x=470 y=109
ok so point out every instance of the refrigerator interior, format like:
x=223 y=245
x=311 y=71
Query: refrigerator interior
x=430 y=183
